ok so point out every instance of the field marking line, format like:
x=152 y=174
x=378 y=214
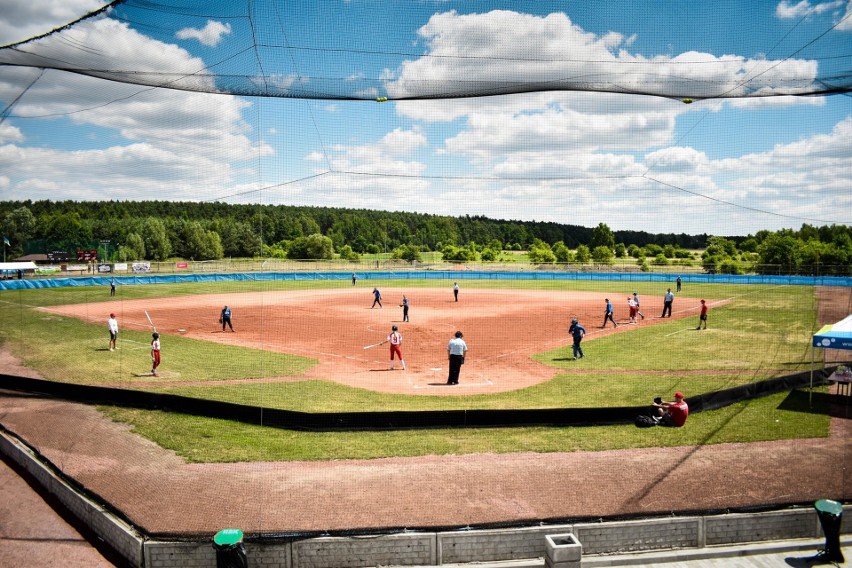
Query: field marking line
x=679 y=331
x=20 y=304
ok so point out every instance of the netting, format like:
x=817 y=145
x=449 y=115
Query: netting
x=510 y=110
x=671 y=118
x=282 y=49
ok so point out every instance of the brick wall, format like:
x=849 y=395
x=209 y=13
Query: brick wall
x=778 y=525
x=634 y=536
x=503 y=544
x=351 y=552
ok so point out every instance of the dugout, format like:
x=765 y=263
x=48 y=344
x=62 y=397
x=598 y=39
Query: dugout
x=833 y=336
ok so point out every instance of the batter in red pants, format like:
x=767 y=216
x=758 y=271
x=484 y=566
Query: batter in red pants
x=155 y=352
x=395 y=340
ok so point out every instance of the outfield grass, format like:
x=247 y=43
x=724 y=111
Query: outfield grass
x=762 y=331
x=210 y=440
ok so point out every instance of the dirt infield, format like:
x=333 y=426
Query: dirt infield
x=502 y=328
x=160 y=493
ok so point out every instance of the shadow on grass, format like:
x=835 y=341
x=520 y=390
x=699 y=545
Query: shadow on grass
x=836 y=406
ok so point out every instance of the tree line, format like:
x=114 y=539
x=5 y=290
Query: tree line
x=160 y=230
x=189 y=229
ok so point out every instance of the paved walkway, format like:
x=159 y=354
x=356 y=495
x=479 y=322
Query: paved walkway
x=759 y=555
x=796 y=553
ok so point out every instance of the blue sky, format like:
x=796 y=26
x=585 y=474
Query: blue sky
x=634 y=162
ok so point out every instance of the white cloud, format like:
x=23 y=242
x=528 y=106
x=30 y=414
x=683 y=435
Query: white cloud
x=9 y=133
x=387 y=156
x=489 y=135
x=156 y=142
x=568 y=157
x=845 y=24
x=210 y=35
x=23 y=20
x=676 y=159
x=787 y=10
x=465 y=53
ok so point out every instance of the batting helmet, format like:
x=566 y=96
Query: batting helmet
x=394 y=328
x=155 y=335
x=574 y=320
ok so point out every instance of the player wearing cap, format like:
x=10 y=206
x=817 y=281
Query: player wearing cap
x=225 y=319
x=404 y=306
x=632 y=308
x=577 y=332
x=668 y=300
x=456 y=350
x=155 y=353
x=672 y=413
x=112 y=325
x=608 y=314
x=702 y=317
x=395 y=340
x=636 y=301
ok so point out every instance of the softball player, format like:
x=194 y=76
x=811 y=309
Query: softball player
x=155 y=353
x=395 y=340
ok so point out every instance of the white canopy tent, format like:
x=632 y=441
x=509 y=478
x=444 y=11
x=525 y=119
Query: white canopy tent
x=15 y=266
x=833 y=336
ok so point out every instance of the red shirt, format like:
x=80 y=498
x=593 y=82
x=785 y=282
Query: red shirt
x=703 y=309
x=679 y=411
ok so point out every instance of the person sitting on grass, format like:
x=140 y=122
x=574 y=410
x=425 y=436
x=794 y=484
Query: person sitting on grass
x=671 y=413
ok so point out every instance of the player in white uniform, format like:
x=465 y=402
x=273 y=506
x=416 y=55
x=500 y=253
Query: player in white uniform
x=112 y=325
x=395 y=340
x=155 y=353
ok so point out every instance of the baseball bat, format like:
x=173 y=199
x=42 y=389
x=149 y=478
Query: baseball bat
x=154 y=327
x=374 y=345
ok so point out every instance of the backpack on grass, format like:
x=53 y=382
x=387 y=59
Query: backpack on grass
x=644 y=421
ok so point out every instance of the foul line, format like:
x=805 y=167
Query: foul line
x=680 y=331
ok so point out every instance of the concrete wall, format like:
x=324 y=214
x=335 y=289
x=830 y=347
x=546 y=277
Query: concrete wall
x=472 y=546
x=118 y=534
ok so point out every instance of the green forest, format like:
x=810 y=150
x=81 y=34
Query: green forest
x=162 y=230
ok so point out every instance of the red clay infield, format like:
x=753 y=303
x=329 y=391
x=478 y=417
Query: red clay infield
x=502 y=328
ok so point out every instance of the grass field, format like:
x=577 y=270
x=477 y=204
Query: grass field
x=760 y=332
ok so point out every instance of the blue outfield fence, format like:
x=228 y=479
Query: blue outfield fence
x=142 y=279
